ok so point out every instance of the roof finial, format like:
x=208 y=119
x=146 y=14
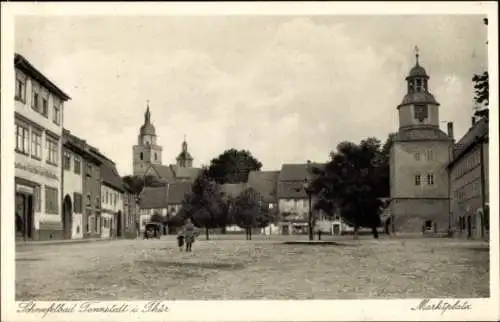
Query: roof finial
x=147 y=115
x=184 y=137
x=417 y=53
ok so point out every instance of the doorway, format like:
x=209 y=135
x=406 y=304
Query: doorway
x=119 y=224
x=469 y=226
x=67 y=217
x=24 y=216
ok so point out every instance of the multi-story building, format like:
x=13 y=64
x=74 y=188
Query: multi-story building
x=73 y=181
x=469 y=182
x=91 y=177
x=130 y=213
x=293 y=201
x=419 y=155
x=38 y=172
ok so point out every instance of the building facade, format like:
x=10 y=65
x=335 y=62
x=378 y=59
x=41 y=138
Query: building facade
x=112 y=194
x=419 y=155
x=469 y=182
x=39 y=107
x=130 y=213
x=91 y=176
x=73 y=181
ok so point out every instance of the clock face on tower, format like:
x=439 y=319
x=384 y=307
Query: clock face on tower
x=421 y=112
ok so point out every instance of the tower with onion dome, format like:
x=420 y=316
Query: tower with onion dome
x=419 y=155
x=147 y=151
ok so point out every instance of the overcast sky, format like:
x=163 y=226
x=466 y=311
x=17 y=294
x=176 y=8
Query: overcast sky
x=288 y=89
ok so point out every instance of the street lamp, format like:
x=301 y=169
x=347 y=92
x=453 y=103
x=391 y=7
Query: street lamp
x=308 y=189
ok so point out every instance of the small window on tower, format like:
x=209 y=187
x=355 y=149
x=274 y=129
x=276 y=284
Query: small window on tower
x=141 y=156
x=418 y=85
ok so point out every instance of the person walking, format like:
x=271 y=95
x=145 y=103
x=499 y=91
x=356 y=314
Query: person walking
x=189 y=233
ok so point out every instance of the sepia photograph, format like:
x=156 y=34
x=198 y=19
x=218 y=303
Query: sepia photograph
x=250 y=157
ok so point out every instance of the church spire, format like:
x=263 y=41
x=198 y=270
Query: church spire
x=147 y=115
x=184 y=144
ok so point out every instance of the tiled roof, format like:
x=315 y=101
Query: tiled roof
x=153 y=197
x=24 y=65
x=185 y=173
x=421 y=133
x=110 y=175
x=177 y=191
x=265 y=183
x=479 y=130
x=233 y=189
x=291 y=190
x=163 y=171
x=418 y=98
x=298 y=171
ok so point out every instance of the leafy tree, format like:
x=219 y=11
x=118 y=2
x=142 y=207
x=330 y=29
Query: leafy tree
x=204 y=205
x=482 y=90
x=137 y=183
x=233 y=166
x=353 y=182
x=246 y=209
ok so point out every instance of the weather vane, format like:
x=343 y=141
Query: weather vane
x=417 y=53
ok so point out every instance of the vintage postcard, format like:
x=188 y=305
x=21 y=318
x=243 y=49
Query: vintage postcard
x=253 y=161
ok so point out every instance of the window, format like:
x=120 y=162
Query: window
x=429 y=155
x=35 y=96
x=38 y=199
x=428 y=225
x=52 y=150
x=51 y=200
x=77 y=202
x=36 y=144
x=89 y=169
x=56 y=112
x=67 y=160
x=45 y=102
x=156 y=156
x=20 y=94
x=107 y=197
x=97 y=225
x=417 y=156
x=114 y=202
x=141 y=156
x=430 y=178
x=78 y=164
x=22 y=139
x=89 y=200
x=418 y=85
x=417 y=180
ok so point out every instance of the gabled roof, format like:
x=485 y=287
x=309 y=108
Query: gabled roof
x=298 y=171
x=153 y=198
x=24 y=65
x=233 y=189
x=163 y=172
x=478 y=131
x=79 y=146
x=177 y=191
x=185 y=173
x=265 y=183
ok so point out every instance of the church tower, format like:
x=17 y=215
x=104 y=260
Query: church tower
x=419 y=155
x=184 y=159
x=146 y=152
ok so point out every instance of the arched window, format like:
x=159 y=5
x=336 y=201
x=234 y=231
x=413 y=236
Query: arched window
x=142 y=156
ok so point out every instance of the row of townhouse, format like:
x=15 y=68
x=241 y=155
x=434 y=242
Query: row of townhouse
x=64 y=187
x=281 y=190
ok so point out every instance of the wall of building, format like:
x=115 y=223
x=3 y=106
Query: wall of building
x=407 y=113
x=73 y=184
x=466 y=194
x=410 y=215
x=409 y=159
x=37 y=172
x=91 y=177
x=111 y=203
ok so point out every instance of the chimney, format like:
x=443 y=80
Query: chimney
x=450 y=130
x=473 y=120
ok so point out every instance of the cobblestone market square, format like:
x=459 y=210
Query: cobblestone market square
x=237 y=269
